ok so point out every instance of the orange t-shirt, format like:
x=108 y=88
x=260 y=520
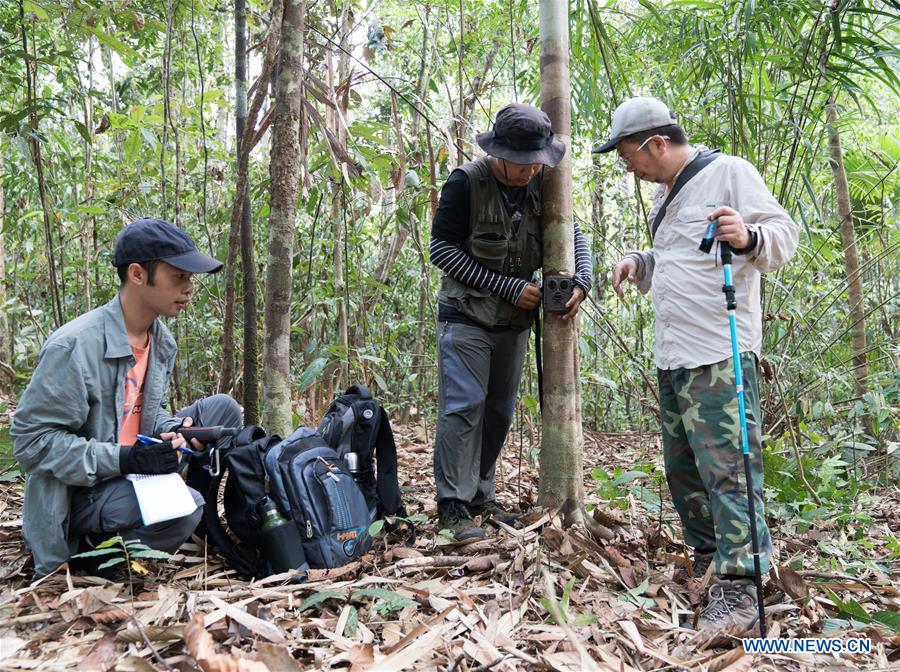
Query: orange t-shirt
x=134 y=396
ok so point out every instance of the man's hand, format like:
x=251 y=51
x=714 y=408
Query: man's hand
x=153 y=458
x=530 y=297
x=627 y=268
x=574 y=303
x=731 y=227
x=178 y=441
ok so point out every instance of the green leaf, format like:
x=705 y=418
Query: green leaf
x=312 y=371
x=132 y=146
x=850 y=608
x=112 y=541
x=321 y=596
x=584 y=620
x=150 y=553
x=352 y=622
x=388 y=600
x=111 y=563
x=889 y=618
x=97 y=552
x=628 y=476
x=376 y=528
x=35 y=9
x=127 y=53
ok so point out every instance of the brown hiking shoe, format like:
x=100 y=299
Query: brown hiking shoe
x=701 y=562
x=453 y=516
x=493 y=510
x=731 y=606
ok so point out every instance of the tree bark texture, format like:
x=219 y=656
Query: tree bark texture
x=248 y=263
x=562 y=442
x=7 y=382
x=851 y=257
x=284 y=173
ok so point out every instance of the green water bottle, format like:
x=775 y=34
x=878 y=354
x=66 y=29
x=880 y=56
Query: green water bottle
x=280 y=540
x=271 y=515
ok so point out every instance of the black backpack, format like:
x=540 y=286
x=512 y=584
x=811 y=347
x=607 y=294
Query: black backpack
x=324 y=514
x=357 y=425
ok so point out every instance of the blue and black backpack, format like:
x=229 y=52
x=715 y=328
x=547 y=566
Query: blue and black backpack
x=328 y=509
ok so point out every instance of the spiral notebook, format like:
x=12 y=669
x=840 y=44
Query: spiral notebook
x=162 y=497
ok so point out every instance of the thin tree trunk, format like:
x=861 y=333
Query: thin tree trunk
x=851 y=257
x=35 y=146
x=88 y=229
x=226 y=374
x=461 y=107
x=338 y=203
x=561 y=478
x=284 y=173
x=248 y=265
x=8 y=381
x=246 y=141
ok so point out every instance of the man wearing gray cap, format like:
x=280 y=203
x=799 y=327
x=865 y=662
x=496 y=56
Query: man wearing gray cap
x=98 y=393
x=487 y=239
x=692 y=351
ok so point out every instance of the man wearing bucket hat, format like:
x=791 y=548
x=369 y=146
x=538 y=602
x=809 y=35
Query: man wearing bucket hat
x=101 y=381
x=487 y=240
x=693 y=352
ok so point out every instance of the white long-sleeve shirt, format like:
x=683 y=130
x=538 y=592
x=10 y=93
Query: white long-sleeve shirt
x=691 y=320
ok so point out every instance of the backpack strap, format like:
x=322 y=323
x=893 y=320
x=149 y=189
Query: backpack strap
x=701 y=161
x=215 y=531
x=390 y=502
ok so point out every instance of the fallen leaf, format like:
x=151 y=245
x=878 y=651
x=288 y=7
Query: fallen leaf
x=792 y=583
x=103 y=654
x=200 y=647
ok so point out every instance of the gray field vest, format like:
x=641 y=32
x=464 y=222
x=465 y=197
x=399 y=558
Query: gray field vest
x=496 y=244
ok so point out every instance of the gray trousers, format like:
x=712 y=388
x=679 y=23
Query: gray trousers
x=110 y=507
x=479 y=373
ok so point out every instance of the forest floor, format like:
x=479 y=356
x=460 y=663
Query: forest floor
x=540 y=597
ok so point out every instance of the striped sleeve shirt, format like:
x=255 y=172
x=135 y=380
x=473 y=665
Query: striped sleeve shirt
x=451 y=227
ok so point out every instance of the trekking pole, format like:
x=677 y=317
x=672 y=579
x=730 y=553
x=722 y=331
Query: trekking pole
x=731 y=304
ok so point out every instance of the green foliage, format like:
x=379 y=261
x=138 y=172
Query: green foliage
x=319 y=597
x=121 y=551
x=386 y=601
x=753 y=78
x=563 y=606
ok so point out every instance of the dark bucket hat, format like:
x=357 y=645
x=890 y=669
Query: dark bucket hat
x=151 y=239
x=522 y=134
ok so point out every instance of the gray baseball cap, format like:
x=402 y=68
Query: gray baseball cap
x=636 y=115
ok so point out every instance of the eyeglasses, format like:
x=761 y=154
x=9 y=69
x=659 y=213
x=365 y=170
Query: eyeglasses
x=625 y=161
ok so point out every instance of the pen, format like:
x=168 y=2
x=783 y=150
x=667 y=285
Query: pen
x=147 y=440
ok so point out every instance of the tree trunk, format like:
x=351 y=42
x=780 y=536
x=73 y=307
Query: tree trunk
x=7 y=386
x=851 y=257
x=561 y=478
x=284 y=173
x=248 y=265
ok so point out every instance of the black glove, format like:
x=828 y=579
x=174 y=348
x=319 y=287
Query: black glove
x=154 y=458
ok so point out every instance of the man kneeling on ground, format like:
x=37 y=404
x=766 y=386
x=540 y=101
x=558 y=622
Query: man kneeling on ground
x=102 y=379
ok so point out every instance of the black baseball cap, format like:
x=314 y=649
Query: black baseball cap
x=151 y=239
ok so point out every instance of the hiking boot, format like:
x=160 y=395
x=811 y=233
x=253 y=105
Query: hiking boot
x=453 y=516
x=731 y=606
x=493 y=510
x=701 y=562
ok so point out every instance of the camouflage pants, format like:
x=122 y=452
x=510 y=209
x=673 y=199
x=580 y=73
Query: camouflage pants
x=705 y=465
